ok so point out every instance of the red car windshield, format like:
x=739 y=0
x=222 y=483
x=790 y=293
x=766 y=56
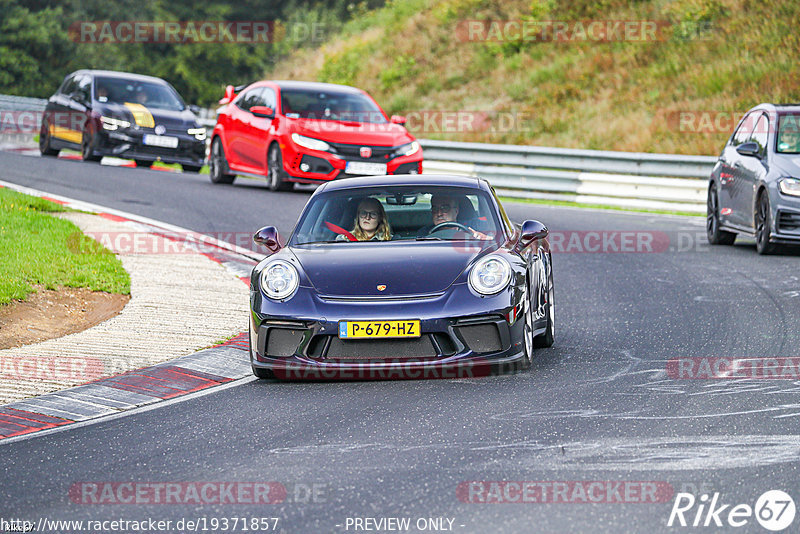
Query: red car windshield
x=330 y=105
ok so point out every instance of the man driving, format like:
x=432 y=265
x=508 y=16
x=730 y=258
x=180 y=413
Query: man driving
x=444 y=209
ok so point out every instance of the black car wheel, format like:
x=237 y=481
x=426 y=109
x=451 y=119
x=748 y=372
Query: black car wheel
x=88 y=142
x=275 y=177
x=547 y=338
x=762 y=220
x=218 y=164
x=44 y=141
x=191 y=168
x=144 y=163
x=715 y=235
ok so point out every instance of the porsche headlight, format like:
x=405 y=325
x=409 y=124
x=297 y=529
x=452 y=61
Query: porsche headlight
x=110 y=123
x=310 y=142
x=279 y=280
x=408 y=149
x=790 y=186
x=490 y=275
x=198 y=133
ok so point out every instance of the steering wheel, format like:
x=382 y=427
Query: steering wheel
x=449 y=223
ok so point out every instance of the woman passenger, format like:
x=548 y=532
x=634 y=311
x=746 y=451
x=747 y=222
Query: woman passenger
x=370 y=223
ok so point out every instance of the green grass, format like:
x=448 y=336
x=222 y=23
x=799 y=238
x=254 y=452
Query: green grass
x=598 y=206
x=39 y=249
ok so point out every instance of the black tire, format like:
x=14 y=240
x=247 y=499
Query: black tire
x=44 y=141
x=546 y=339
x=713 y=232
x=275 y=173
x=191 y=168
x=763 y=219
x=88 y=142
x=218 y=164
x=144 y=163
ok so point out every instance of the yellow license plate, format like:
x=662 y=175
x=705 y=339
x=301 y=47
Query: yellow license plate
x=378 y=329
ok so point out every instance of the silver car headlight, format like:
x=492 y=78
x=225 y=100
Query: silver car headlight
x=408 y=149
x=490 y=275
x=198 y=133
x=310 y=142
x=790 y=186
x=110 y=123
x=279 y=280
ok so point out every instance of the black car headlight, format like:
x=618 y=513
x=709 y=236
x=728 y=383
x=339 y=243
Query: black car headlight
x=111 y=124
x=789 y=186
x=279 y=280
x=490 y=275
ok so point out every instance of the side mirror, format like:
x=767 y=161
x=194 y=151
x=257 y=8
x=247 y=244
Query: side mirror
x=398 y=119
x=749 y=149
x=230 y=93
x=195 y=109
x=265 y=112
x=531 y=231
x=268 y=237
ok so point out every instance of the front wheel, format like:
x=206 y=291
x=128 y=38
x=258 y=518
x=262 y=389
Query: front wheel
x=547 y=338
x=218 y=164
x=88 y=142
x=713 y=232
x=275 y=175
x=763 y=218
x=44 y=141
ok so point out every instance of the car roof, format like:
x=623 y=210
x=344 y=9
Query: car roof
x=317 y=86
x=404 y=179
x=121 y=75
x=777 y=108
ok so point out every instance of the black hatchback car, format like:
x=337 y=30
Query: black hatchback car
x=755 y=185
x=107 y=113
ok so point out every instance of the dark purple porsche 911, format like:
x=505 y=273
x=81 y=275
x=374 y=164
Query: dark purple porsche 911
x=414 y=276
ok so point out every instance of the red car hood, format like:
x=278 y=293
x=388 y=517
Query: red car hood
x=353 y=133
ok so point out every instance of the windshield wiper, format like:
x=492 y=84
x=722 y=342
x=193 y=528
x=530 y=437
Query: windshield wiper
x=429 y=238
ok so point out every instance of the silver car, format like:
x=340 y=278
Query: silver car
x=754 y=188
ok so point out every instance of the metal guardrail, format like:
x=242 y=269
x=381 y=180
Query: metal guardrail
x=632 y=179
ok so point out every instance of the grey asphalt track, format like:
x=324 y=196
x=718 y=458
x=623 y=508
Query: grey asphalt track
x=598 y=406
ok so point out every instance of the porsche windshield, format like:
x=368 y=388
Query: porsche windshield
x=330 y=105
x=398 y=214
x=151 y=95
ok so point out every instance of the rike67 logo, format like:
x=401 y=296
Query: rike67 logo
x=774 y=510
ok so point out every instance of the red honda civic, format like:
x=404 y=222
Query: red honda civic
x=307 y=132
